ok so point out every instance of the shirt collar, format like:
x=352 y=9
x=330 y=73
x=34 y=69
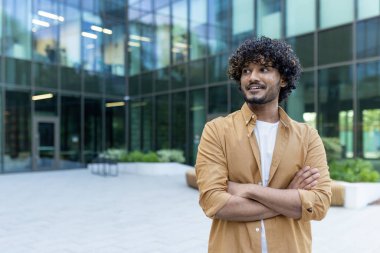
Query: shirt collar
x=250 y=117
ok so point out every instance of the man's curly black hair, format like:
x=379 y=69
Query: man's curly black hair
x=263 y=50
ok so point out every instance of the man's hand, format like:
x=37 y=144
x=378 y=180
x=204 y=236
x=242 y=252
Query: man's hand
x=305 y=179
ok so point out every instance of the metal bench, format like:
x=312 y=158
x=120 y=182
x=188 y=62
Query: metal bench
x=104 y=167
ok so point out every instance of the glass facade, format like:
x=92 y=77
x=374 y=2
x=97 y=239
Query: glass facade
x=146 y=75
x=62 y=82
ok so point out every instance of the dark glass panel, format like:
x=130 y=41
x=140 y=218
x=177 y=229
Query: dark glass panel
x=135 y=124
x=115 y=85
x=70 y=126
x=219 y=26
x=45 y=75
x=93 y=82
x=162 y=121
x=115 y=124
x=368 y=91
x=335 y=117
x=304 y=48
x=162 y=79
x=335 y=45
x=197 y=120
x=237 y=99
x=179 y=31
x=197 y=72
x=17 y=122
x=17 y=71
x=198 y=29
x=217 y=100
x=71 y=79
x=217 y=68
x=92 y=128
x=146 y=82
x=178 y=76
x=368 y=38
x=179 y=126
x=134 y=85
x=147 y=124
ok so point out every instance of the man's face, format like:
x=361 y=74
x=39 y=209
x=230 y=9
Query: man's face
x=260 y=83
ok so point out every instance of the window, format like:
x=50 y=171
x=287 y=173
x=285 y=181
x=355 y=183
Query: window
x=368 y=38
x=198 y=29
x=304 y=47
x=368 y=90
x=368 y=8
x=197 y=121
x=334 y=13
x=162 y=121
x=242 y=20
x=218 y=100
x=300 y=17
x=335 y=45
x=335 y=118
x=269 y=18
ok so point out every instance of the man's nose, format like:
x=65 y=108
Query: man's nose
x=254 y=76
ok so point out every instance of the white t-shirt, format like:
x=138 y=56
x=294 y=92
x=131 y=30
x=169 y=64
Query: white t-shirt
x=266 y=138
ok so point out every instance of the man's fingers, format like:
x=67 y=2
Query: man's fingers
x=311 y=185
x=309 y=180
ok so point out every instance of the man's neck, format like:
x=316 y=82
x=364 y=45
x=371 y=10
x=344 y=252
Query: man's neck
x=266 y=112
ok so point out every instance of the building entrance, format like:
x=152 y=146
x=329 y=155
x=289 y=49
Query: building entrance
x=45 y=143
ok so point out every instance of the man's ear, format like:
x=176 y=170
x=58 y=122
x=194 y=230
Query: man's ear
x=283 y=83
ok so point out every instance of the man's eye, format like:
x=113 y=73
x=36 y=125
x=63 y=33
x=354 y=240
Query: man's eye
x=264 y=69
x=246 y=71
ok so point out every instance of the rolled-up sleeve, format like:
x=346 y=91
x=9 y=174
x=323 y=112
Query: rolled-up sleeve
x=316 y=202
x=211 y=171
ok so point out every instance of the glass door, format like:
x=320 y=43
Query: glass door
x=46 y=144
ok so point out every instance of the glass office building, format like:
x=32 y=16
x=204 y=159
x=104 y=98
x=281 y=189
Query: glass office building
x=79 y=77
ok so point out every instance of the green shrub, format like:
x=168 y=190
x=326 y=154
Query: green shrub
x=171 y=155
x=353 y=170
x=150 y=157
x=135 y=156
x=333 y=148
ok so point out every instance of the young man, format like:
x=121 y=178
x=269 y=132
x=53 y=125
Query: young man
x=262 y=176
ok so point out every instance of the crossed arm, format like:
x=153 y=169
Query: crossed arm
x=250 y=202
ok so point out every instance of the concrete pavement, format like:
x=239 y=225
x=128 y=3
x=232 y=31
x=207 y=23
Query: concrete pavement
x=75 y=211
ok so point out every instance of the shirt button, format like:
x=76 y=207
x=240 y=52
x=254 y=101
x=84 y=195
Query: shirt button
x=257 y=229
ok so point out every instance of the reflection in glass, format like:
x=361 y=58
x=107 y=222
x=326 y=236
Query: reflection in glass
x=162 y=122
x=304 y=47
x=368 y=8
x=197 y=119
x=134 y=55
x=335 y=117
x=219 y=30
x=334 y=13
x=70 y=125
x=162 y=37
x=45 y=75
x=217 y=100
x=300 y=104
x=17 y=122
x=69 y=39
x=45 y=31
x=147 y=43
x=17 y=29
x=335 y=45
x=179 y=126
x=134 y=85
x=300 y=17
x=242 y=20
x=93 y=82
x=179 y=31
x=368 y=38
x=135 y=124
x=93 y=133
x=269 y=18
x=147 y=124
x=115 y=124
x=369 y=110
x=198 y=29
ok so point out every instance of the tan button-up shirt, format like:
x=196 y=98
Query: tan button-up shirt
x=228 y=151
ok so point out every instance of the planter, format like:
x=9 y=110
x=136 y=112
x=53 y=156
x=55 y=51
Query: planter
x=153 y=169
x=358 y=195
